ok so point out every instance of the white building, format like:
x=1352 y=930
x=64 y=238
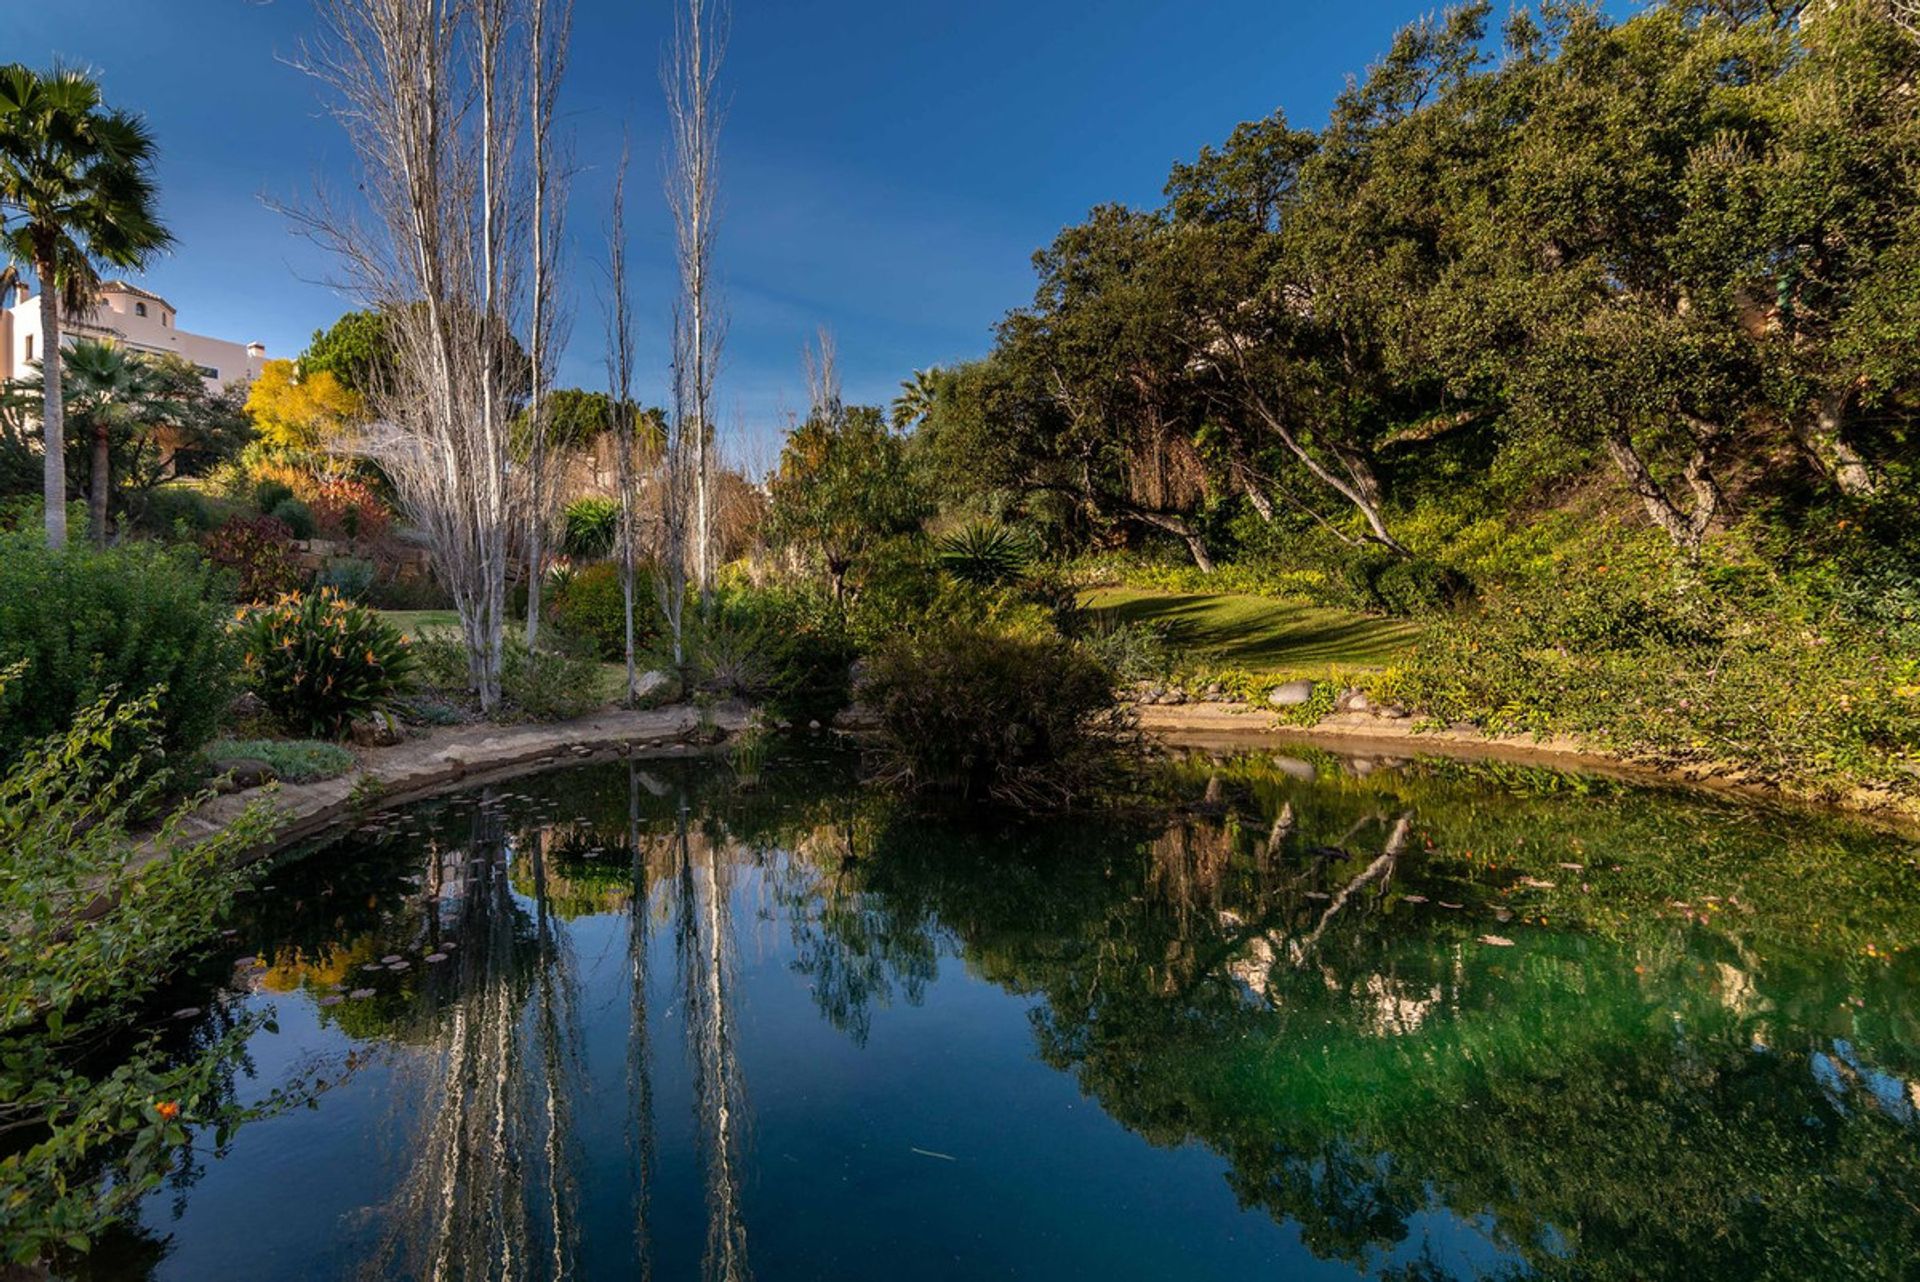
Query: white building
x=129 y=315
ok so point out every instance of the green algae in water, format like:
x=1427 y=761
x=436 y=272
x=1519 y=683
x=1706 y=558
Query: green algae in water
x=1309 y=1017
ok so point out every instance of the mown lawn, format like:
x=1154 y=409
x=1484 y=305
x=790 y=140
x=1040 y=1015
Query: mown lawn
x=414 y=622
x=1259 y=634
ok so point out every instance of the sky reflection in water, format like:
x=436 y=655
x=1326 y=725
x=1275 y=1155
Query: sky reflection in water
x=1315 y=1018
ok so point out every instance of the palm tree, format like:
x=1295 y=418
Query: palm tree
x=916 y=398
x=76 y=189
x=103 y=386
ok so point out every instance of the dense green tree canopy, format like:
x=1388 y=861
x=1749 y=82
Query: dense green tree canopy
x=1680 y=248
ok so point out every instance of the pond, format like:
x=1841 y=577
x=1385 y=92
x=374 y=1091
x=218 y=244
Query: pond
x=1299 y=1017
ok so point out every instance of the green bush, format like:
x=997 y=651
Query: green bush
x=1031 y=724
x=270 y=494
x=789 y=648
x=133 y=619
x=318 y=662
x=547 y=683
x=588 y=605
x=295 y=515
x=172 y=508
x=90 y=1136
x=590 y=528
x=1677 y=665
x=351 y=577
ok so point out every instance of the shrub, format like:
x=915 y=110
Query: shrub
x=546 y=683
x=85 y=622
x=349 y=576
x=1674 y=664
x=588 y=605
x=270 y=493
x=318 y=662
x=295 y=515
x=1032 y=724
x=257 y=551
x=985 y=554
x=170 y=509
x=349 y=509
x=790 y=649
x=1131 y=651
x=89 y=1136
x=591 y=527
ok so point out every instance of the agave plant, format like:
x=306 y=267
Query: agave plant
x=985 y=555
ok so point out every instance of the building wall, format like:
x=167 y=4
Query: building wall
x=142 y=321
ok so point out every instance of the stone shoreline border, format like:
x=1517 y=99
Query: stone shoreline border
x=460 y=756
x=1216 y=725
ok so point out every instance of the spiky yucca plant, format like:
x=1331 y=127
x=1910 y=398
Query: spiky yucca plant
x=984 y=554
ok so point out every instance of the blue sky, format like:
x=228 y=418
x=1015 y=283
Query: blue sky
x=889 y=166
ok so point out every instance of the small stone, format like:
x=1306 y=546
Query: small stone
x=400 y=965
x=1497 y=941
x=1290 y=694
x=1318 y=894
x=650 y=683
x=1413 y=899
x=434 y=958
x=1354 y=701
x=232 y=774
x=1391 y=712
x=359 y=993
x=332 y=999
x=186 y=1012
x=1445 y=904
x=377 y=730
x=372 y=966
x=391 y=958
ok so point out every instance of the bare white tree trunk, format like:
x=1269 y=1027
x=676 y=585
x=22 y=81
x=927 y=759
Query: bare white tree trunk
x=429 y=92
x=690 y=77
x=549 y=25
x=620 y=390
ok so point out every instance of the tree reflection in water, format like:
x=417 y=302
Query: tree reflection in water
x=1620 y=1035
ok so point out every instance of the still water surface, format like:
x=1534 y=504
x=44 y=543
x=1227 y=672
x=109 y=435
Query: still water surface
x=1306 y=1018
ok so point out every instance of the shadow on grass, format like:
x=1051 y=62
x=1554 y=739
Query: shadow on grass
x=1258 y=634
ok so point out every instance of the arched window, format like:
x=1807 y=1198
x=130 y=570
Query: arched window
x=29 y=347
x=139 y=309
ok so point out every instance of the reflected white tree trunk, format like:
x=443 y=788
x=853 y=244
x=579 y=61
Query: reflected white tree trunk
x=705 y=939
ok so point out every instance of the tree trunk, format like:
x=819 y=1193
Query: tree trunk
x=102 y=481
x=1178 y=527
x=1685 y=528
x=1821 y=437
x=53 y=412
x=1352 y=491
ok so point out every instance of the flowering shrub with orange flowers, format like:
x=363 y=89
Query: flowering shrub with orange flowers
x=319 y=662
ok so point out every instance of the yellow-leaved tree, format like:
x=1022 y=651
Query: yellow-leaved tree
x=311 y=413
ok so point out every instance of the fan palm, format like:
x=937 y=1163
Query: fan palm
x=916 y=398
x=76 y=189
x=104 y=387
